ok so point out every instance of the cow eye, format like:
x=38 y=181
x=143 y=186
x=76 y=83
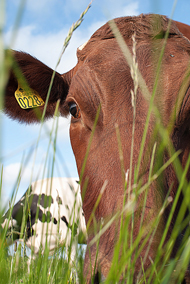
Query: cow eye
x=74 y=110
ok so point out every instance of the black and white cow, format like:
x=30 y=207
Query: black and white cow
x=53 y=212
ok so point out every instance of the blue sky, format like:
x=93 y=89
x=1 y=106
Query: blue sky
x=42 y=29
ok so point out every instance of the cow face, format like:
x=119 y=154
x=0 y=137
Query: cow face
x=101 y=83
x=87 y=96
x=103 y=79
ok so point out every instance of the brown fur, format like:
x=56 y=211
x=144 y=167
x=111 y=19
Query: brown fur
x=102 y=76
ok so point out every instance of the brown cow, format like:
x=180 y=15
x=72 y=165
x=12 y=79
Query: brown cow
x=102 y=77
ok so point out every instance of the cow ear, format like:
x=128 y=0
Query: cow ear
x=28 y=86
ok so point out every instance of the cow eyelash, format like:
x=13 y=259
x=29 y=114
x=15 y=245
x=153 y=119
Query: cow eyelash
x=74 y=110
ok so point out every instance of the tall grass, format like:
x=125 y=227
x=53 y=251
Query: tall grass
x=55 y=269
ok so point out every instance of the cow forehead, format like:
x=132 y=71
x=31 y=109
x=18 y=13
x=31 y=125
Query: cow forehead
x=144 y=26
x=101 y=52
x=104 y=58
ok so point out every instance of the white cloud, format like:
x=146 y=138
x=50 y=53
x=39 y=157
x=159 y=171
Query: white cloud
x=47 y=47
x=120 y=8
x=131 y=9
x=64 y=165
x=10 y=175
x=36 y=5
x=50 y=125
x=75 y=5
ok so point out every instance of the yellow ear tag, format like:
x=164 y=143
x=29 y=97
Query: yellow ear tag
x=28 y=99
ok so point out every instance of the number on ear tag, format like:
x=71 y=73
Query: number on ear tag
x=28 y=99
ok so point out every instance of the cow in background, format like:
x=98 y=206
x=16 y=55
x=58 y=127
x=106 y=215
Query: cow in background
x=51 y=210
x=101 y=82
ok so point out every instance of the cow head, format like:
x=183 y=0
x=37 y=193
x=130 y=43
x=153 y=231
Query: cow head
x=101 y=83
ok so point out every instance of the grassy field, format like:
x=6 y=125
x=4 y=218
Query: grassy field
x=55 y=269
x=44 y=269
